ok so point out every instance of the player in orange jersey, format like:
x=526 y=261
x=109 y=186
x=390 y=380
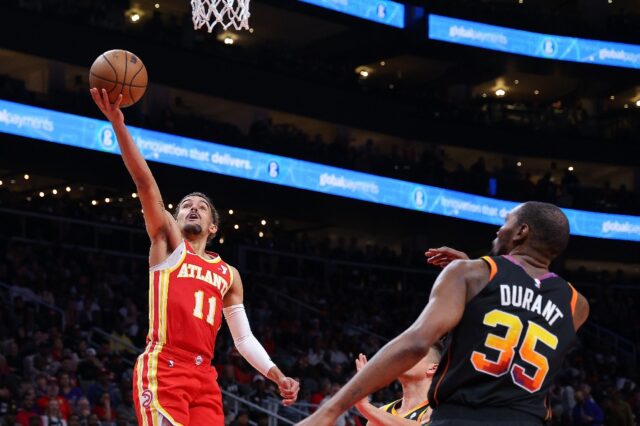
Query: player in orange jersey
x=190 y=289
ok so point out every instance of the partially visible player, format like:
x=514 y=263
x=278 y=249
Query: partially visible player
x=414 y=406
x=511 y=323
x=190 y=289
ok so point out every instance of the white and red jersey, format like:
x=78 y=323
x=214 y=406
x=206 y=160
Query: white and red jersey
x=185 y=300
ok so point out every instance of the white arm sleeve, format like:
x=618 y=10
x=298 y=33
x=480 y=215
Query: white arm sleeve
x=245 y=341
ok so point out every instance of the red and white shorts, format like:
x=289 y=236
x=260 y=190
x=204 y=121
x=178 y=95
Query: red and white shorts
x=175 y=387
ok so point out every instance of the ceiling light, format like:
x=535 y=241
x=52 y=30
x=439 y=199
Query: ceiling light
x=626 y=106
x=520 y=1
x=609 y=1
x=364 y=73
x=134 y=195
x=519 y=163
x=251 y=31
x=221 y=240
x=170 y=206
x=1 y=183
x=612 y=97
x=157 y=5
x=500 y=92
x=536 y=92
x=516 y=82
x=228 y=40
x=54 y=192
x=29 y=198
x=68 y=189
x=236 y=226
x=484 y=95
x=383 y=63
x=41 y=194
x=392 y=86
x=94 y=202
x=260 y=234
x=107 y=200
x=26 y=177
x=263 y=222
x=638 y=103
x=135 y=17
x=120 y=199
x=570 y=168
x=230 y=211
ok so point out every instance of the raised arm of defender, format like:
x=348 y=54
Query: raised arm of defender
x=455 y=285
x=161 y=226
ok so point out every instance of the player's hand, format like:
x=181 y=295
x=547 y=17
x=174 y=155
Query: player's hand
x=361 y=361
x=111 y=111
x=288 y=389
x=443 y=256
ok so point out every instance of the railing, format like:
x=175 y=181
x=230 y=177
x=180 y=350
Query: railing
x=29 y=297
x=622 y=347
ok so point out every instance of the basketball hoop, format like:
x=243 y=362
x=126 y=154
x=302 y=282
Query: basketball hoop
x=227 y=13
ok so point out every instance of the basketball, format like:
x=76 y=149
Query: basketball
x=119 y=72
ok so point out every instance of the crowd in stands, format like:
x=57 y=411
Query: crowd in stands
x=73 y=364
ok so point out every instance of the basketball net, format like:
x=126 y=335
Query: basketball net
x=227 y=13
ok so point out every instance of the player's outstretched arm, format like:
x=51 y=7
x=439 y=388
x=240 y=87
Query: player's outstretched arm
x=442 y=313
x=248 y=345
x=160 y=224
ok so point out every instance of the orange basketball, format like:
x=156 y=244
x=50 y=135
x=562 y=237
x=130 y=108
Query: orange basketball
x=119 y=72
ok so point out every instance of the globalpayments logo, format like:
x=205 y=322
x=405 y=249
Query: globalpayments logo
x=20 y=121
x=107 y=139
x=620 y=227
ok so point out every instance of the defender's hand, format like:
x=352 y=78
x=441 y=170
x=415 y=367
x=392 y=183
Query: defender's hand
x=111 y=111
x=444 y=255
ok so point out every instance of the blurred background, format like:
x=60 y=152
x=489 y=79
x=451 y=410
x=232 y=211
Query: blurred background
x=361 y=88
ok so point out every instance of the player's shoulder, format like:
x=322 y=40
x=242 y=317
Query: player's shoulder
x=469 y=267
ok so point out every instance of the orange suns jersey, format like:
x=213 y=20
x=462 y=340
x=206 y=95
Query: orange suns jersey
x=185 y=300
x=509 y=344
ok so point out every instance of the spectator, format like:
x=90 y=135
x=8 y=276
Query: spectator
x=28 y=409
x=103 y=409
x=586 y=412
x=69 y=390
x=53 y=393
x=52 y=415
x=617 y=411
x=101 y=386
